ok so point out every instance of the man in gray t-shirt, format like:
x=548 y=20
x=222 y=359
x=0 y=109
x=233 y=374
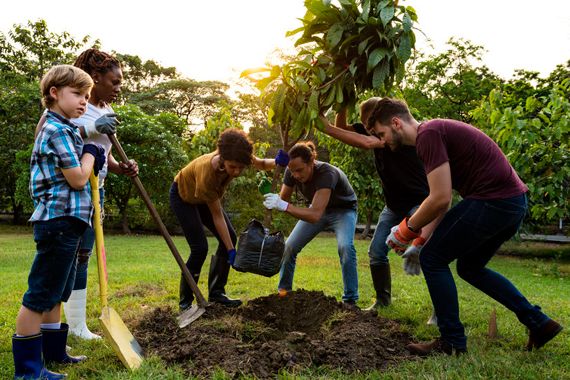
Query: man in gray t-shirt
x=332 y=205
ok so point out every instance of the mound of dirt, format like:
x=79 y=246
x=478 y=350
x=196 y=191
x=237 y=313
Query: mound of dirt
x=303 y=329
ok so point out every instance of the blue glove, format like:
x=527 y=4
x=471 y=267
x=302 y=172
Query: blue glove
x=231 y=256
x=98 y=152
x=282 y=158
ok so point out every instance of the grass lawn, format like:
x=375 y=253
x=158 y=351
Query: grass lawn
x=144 y=275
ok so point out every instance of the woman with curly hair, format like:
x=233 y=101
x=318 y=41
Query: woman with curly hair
x=196 y=199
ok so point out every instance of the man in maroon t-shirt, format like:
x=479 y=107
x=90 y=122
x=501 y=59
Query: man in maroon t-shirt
x=461 y=157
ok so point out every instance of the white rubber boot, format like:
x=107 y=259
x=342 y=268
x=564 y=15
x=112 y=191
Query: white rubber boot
x=75 y=315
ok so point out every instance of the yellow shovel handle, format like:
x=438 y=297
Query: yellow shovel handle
x=99 y=241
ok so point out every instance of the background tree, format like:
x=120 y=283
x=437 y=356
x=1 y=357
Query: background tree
x=154 y=142
x=450 y=84
x=26 y=52
x=534 y=133
x=139 y=75
x=193 y=101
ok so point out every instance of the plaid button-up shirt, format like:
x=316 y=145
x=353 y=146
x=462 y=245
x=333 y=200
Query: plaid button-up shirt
x=58 y=146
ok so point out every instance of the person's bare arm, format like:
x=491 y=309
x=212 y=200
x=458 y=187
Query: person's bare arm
x=438 y=200
x=263 y=163
x=352 y=138
x=315 y=212
x=78 y=176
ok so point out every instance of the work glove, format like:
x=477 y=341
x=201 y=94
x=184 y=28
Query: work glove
x=131 y=169
x=98 y=152
x=282 y=158
x=272 y=201
x=412 y=257
x=105 y=125
x=231 y=256
x=401 y=236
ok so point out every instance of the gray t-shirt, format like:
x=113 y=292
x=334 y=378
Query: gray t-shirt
x=325 y=176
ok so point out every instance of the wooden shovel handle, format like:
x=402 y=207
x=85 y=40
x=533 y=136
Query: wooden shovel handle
x=267 y=220
x=185 y=272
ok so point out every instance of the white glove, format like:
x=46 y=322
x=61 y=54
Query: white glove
x=273 y=201
x=411 y=257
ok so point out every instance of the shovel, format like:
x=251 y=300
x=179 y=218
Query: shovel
x=194 y=312
x=116 y=332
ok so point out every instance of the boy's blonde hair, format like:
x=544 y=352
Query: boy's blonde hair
x=63 y=76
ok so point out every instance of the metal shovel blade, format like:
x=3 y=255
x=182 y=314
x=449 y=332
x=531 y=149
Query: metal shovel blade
x=189 y=315
x=123 y=342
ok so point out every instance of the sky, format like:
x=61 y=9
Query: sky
x=216 y=40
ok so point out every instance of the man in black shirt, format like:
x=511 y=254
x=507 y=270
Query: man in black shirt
x=405 y=187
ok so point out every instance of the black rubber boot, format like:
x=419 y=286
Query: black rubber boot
x=28 y=363
x=217 y=280
x=382 y=281
x=186 y=294
x=54 y=346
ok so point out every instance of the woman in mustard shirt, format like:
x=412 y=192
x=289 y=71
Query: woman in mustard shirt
x=196 y=199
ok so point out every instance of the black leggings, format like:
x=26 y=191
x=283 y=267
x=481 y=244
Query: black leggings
x=193 y=218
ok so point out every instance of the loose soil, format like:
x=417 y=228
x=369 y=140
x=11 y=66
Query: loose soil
x=269 y=334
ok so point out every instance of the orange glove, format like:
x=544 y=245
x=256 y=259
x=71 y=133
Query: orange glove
x=401 y=236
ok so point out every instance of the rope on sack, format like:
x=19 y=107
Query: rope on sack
x=261 y=251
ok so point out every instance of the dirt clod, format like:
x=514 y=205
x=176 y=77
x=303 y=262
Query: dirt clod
x=272 y=333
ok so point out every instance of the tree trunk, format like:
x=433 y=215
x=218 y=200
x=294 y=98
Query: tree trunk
x=18 y=211
x=125 y=222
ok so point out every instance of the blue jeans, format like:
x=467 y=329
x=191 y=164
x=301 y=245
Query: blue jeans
x=378 y=250
x=85 y=251
x=343 y=222
x=472 y=232
x=52 y=274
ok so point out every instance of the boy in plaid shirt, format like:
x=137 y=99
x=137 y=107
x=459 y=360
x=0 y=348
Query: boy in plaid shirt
x=59 y=185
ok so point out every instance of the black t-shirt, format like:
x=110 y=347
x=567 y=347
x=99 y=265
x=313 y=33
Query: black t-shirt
x=402 y=173
x=325 y=176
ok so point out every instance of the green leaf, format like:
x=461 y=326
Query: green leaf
x=330 y=97
x=362 y=45
x=380 y=74
x=365 y=10
x=375 y=57
x=412 y=12
x=270 y=115
x=339 y=95
x=314 y=101
x=404 y=48
x=294 y=31
x=407 y=22
x=334 y=35
x=353 y=66
x=256 y=70
x=386 y=15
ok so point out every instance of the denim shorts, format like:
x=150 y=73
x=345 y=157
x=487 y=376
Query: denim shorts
x=52 y=274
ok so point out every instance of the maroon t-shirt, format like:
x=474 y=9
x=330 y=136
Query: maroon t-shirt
x=479 y=169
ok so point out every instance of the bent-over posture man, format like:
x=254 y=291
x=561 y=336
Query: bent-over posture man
x=404 y=185
x=458 y=156
x=332 y=205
